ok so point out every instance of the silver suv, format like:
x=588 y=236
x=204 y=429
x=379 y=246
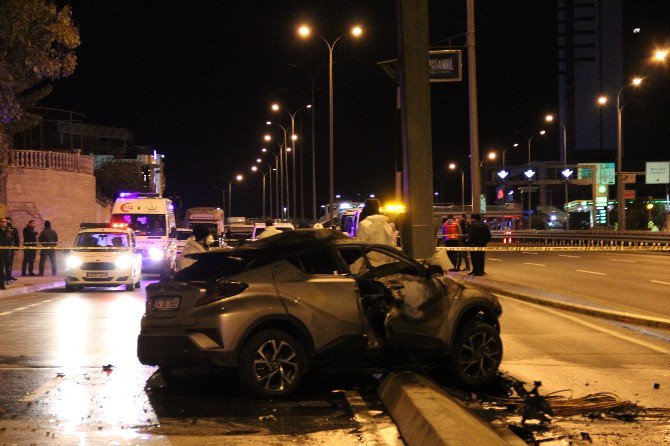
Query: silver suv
x=275 y=308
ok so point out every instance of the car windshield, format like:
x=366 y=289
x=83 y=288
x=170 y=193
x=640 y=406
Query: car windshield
x=143 y=224
x=101 y=240
x=214 y=266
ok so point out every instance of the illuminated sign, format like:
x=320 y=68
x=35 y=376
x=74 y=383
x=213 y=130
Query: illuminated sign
x=445 y=65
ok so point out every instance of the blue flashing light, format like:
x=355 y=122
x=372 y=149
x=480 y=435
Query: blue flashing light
x=127 y=194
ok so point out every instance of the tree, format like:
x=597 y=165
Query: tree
x=115 y=176
x=37 y=42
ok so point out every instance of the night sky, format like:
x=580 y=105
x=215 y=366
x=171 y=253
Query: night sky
x=195 y=80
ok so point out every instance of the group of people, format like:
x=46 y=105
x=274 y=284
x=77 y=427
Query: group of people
x=461 y=232
x=10 y=242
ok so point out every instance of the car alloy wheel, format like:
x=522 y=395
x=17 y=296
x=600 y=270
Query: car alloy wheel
x=477 y=355
x=272 y=364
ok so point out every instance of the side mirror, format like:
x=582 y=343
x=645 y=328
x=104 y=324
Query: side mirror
x=435 y=270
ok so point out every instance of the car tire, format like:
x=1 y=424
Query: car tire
x=476 y=355
x=69 y=288
x=130 y=287
x=272 y=364
x=137 y=284
x=172 y=377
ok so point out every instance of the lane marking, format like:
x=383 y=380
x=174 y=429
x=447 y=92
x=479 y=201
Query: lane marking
x=591 y=325
x=534 y=264
x=572 y=257
x=590 y=272
x=494 y=260
x=661 y=282
x=376 y=428
x=530 y=253
x=625 y=261
x=5 y=313
x=41 y=390
x=20 y=308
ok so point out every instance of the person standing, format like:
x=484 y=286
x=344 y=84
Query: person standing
x=4 y=252
x=452 y=238
x=269 y=230
x=375 y=227
x=48 y=239
x=478 y=235
x=29 y=241
x=13 y=236
x=463 y=256
x=195 y=244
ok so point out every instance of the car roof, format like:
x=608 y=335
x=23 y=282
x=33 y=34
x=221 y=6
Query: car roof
x=285 y=242
x=126 y=231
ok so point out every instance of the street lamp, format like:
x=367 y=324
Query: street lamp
x=453 y=166
x=305 y=31
x=530 y=173
x=276 y=170
x=237 y=178
x=261 y=162
x=564 y=154
x=283 y=165
x=620 y=204
x=530 y=139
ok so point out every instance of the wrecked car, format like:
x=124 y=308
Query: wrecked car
x=275 y=308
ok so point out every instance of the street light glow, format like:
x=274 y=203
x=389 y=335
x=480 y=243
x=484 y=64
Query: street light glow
x=288 y=149
x=452 y=166
x=254 y=168
x=239 y=178
x=304 y=31
x=636 y=81
x=492 y=155
x=542 y=132
x=263 y=149
x=258 y=160
x=660 y=55
x=308 y=106
x=275 y=106
x=268 y=122
x=356 y=31
x=529 y=173
x=294 y=137
x=602 y=100
x=549 y=118
x=516 y=144
x=267 y=138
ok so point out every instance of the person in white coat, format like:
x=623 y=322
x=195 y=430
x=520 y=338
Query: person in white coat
x=194 y=244
x=270 y=229
x=375 y=227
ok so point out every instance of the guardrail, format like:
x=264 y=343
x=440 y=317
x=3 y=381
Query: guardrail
x=37 y=159
x=560 y=237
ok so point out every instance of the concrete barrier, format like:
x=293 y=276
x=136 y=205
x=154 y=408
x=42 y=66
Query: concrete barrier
x=427 y=416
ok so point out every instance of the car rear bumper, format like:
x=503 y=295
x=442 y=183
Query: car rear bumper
x=193 y=347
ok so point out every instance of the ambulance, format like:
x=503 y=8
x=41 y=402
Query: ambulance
x=151 y=217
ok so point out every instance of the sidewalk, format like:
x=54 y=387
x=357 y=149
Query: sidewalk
x=31 y=284
x=562 y=301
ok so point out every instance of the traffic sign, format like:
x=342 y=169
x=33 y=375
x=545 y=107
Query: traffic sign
x=657 y=172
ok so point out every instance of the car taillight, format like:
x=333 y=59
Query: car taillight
x=221 y=291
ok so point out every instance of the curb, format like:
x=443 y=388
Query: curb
x=426 y=415
x=17 y=291
x=561 y=302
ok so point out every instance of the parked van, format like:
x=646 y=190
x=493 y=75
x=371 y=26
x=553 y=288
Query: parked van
x=151 y=217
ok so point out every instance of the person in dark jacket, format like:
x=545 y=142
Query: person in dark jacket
x=48 y=239
x=478 y=235
x=29 y=241
x=14 y=240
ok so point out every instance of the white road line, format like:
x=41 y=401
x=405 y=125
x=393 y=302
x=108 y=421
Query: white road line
x=377 y=429
x=20 y=308
x=590 y=272
x=6 y=313
x=593 y=326
x=44 y=388
x=534 y=264
x=661 y=282
x=494 y=260
x=531 y=253
x=572 y=257
x=625 y=261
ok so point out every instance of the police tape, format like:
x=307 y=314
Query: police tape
x=510 y=248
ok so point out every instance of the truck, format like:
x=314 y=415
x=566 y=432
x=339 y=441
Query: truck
x=208 y=216
x=151 y=217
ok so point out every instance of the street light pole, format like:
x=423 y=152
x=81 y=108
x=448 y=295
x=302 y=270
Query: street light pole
x=305 y=31
x=230 y=193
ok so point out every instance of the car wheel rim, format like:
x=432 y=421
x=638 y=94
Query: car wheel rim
x=275 y=365
x=480 y=355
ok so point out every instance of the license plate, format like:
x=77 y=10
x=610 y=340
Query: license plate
x=97 y=275
x=166 y=303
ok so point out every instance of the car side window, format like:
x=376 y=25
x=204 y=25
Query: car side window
x=354 y=259
x=383 y=260
x=316 y=262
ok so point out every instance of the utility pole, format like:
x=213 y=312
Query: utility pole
x=475 y=174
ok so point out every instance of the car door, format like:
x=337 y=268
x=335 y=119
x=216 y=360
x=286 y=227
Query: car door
x=316 y=290
x=418 y=315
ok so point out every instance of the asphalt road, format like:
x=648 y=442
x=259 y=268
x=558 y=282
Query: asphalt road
x=69 y=375
x=635 y=282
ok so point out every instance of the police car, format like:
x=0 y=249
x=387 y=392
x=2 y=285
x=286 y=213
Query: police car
x=103 y=257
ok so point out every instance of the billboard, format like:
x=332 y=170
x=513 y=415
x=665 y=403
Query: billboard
x=446 y=65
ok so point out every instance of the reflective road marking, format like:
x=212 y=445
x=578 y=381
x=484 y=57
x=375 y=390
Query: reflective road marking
x=590 y=272
x=530 y=253
x=494 y=260
x=661 y=282
x=572 y=257
x=626 y=261
x=534 y=264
